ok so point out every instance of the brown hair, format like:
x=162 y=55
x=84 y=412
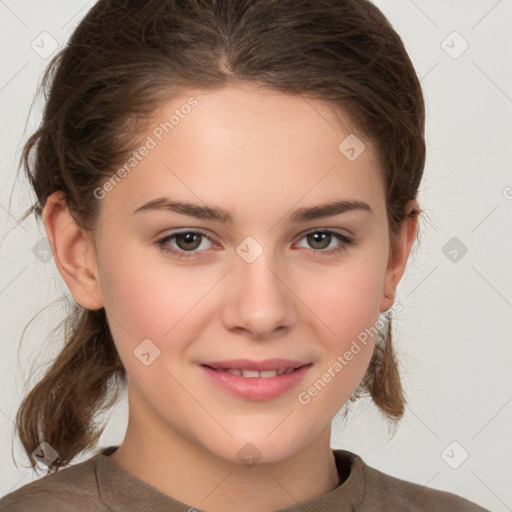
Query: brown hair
x=127 y=58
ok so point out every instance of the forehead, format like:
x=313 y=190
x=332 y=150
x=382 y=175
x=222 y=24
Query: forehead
x=249 y=147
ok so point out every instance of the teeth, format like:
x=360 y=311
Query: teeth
x=250 y=373
x=254 y=373
x=268 y=373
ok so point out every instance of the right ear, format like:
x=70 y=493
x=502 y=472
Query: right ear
x=74 y=252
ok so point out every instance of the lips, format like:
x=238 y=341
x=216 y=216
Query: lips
x=256 y=380
x=259 y=366
x=255 y=373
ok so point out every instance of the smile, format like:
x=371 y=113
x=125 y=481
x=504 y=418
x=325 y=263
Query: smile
x=258 y=381
x=255 y=373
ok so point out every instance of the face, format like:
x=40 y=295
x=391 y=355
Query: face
x=260 y=280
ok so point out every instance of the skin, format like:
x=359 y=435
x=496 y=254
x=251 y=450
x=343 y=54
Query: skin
x=260 y=155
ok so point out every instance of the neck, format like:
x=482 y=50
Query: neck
x=195 y=476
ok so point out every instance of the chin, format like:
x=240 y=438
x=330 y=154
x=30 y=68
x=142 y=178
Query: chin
x=259 y=447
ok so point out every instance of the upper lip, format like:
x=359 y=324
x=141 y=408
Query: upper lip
x=251 y=364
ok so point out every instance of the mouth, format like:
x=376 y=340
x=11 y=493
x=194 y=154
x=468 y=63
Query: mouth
x=256 y=380
x=252 y=374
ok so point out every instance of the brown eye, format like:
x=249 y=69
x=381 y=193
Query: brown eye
x=188 y=241
x=183 y=242
x=318 y=240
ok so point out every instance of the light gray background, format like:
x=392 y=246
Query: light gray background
x=453 y=334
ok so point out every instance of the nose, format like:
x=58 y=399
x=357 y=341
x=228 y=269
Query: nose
x=258 y=300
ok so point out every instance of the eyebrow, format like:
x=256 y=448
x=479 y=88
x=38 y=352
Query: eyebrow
x=215 y=213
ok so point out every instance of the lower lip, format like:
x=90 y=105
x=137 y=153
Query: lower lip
x=256 y=388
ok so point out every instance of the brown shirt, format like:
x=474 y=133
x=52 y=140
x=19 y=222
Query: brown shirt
x=99 y=484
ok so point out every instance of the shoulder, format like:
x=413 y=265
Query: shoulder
x=386 y=492
x=72 y=488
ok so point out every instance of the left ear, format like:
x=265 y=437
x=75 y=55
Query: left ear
x=399 y=253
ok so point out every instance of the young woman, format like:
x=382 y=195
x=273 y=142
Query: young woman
x=229 y=191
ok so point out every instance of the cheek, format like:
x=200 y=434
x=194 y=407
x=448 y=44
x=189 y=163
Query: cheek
x=150 y=300
x=346 y=299
x=346 y=307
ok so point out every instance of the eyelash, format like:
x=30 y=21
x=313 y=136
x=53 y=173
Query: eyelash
x=345 y=242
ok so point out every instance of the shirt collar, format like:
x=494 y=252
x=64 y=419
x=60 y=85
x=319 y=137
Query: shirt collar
x=123 y=491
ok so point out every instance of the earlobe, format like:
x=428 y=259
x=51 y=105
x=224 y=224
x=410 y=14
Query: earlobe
x=73 y=251
x=399 y=254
